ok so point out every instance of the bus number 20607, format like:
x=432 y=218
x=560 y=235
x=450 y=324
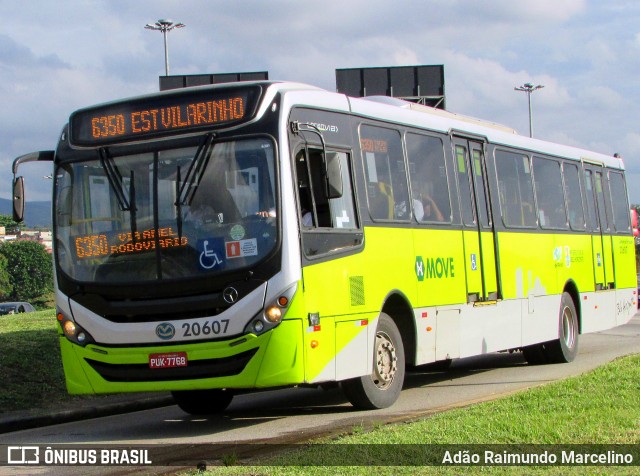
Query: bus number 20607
x=195 y=329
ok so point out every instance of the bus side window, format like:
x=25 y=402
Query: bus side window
x=621 y=216
x=591 y=202
x=516 y=189
x=574 y=197
x=387 y=187
x=463 y=173
x=429 y=186
x=315 y=208
x=548 y=185
x=316 y=166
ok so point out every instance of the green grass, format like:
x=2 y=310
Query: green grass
x=600 y=407
x=30 y=364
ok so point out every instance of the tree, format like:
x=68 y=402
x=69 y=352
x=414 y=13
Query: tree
x=6 y=287
x=9 y=225
x=30 y=269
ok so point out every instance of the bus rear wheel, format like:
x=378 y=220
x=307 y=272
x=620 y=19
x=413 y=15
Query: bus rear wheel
x=203 y=402
x=382 y=388
x=565 y=348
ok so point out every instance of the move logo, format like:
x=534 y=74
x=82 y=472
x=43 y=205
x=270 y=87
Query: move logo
x=434 y=268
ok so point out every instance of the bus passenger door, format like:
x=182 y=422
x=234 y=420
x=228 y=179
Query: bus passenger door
x=478 y=234
x=599 y=217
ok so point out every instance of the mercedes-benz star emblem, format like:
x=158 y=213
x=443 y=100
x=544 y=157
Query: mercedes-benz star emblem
x=230 y=295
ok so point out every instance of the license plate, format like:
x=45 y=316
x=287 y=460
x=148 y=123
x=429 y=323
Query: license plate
x=169 y=360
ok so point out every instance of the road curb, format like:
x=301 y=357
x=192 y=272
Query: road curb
x=24 y=421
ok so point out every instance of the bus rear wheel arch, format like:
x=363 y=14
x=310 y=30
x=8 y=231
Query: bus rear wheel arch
x=382 y=387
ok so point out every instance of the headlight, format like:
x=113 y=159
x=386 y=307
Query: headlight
x=273 y=312
x=73 y=331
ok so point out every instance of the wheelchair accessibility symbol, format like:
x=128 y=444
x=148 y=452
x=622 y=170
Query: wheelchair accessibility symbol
x=211 y=253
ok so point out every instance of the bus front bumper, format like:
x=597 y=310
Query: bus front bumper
x=269 y=360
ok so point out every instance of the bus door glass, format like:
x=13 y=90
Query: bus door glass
x=479 y=243
x=599 y=227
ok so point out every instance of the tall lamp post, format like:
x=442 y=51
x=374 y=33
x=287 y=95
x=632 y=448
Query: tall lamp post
x=529 y=88
x=165 y=26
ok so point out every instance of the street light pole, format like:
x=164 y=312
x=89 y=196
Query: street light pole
x=529 y=88
x=165 y=26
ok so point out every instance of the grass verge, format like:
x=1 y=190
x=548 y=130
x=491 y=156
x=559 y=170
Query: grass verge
x=30 y=364
x=600 y=407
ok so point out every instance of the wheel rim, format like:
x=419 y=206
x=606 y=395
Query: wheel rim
x=568 y=327
x=386 y=363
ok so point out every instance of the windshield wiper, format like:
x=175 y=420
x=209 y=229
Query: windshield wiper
x=178 y=204
x=195 y=172
x=133 y=217
x=115 y=179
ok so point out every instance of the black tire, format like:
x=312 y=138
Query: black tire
x=203 y=402
x=565 y=348
x=382 y=388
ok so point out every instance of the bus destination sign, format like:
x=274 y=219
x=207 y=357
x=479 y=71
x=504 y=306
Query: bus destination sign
x=153 y=117
x=112 y=244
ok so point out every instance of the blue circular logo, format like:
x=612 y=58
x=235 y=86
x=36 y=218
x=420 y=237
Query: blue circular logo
x=165 y=331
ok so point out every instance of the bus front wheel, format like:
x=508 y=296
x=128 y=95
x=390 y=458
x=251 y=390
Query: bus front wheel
x=203 y=402
x=382 y=388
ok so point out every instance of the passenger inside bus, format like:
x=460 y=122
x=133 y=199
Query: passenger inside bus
x=426 y=209
x=381 y=201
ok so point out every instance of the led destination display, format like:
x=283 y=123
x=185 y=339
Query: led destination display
x=110 y=244
x=149 y=117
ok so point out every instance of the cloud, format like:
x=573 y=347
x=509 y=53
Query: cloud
x=540 y=11
x=59 y=56
x=15 y=56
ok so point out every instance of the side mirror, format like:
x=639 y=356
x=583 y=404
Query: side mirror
x=334 y=175
x=18 y=199
x=18 y=182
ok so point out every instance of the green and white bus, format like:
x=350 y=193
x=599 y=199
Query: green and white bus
x=217 y=239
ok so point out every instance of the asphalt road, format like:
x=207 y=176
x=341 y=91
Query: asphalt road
x=294 y=415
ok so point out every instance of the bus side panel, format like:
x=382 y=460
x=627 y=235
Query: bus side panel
x=76 y=379
x=540 y=316
x=439 y=267
x=598 y=311
x=282 y=361
x=490 y=328
x=527 y=264
x=624 y=261
x=575 y=262
x=347 y=293
x=624 y=257
x=425 y=319
x=354 y=339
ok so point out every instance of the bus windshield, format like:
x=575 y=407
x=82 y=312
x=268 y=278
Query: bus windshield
x=166 y=214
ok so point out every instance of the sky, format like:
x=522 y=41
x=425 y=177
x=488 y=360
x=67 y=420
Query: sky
x=58 y=56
